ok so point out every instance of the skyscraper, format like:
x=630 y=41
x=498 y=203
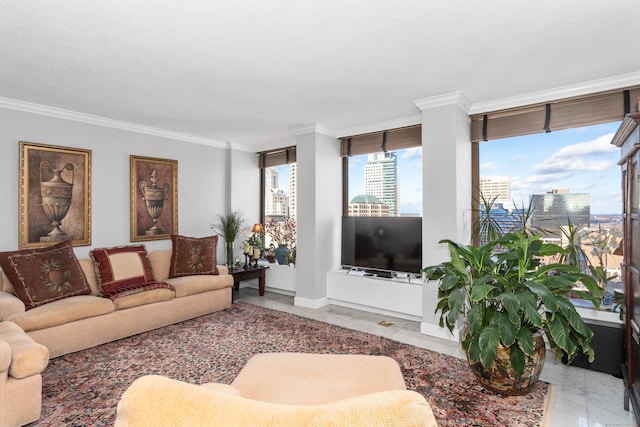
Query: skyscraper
x=293 y=179
x=498 y=187
x=554 y=209
x=275 y=199
x=381 y=180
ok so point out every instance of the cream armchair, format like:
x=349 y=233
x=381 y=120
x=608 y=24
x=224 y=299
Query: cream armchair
x=21 y=362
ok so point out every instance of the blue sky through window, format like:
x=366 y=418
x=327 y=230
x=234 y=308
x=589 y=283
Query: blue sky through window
x=580 y=159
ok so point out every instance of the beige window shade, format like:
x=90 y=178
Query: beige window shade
x=394 y=139
x=563 y=114
x=281 y=156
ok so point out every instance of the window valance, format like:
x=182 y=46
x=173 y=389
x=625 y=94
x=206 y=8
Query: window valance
x=382 y=141
x=587 y=110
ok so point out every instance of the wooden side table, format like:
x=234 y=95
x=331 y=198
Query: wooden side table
x=240 y=274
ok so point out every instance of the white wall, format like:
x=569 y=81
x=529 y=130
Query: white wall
x=202 y=178
x=446 y=190
x=244 y=191
x=319 y=196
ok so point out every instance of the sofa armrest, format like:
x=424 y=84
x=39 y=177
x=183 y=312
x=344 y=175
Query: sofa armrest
x=27 y=357
x=159 y=401
x=5 y=358
x=10 y=304
x=223 y=269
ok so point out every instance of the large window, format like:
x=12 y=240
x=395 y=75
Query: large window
x=278 y=198
x=562 y=181
x=383 y=174
x=382 y=197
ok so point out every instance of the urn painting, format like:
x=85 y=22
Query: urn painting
x=54 y=195
x=154 y=198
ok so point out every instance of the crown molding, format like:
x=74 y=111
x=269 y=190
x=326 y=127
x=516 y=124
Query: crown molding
x=312 y=128
x=457 y=98
x=59 y=113
x=579 y=89
x=415 y=119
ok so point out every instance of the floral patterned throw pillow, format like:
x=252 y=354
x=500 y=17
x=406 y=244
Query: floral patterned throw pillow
x=193 y=255
x=43 y=275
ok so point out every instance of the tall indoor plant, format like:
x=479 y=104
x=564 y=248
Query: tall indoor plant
x=229 y=226
x=506 y=302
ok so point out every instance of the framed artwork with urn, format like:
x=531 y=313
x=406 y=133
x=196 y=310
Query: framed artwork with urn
x=154 y=198
x=54 y=195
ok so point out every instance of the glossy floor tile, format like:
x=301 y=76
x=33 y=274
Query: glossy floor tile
x=583 y=398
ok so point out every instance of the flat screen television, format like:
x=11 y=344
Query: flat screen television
x=382 y=244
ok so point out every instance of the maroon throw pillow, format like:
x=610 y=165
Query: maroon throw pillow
x=121 y=266
x=193 y=255
x=43 y=275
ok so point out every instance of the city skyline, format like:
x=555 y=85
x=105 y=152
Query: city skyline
x=580 y=159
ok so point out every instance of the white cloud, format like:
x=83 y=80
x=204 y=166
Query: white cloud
x=412 y=153
x=487 y=167
x=576 y=157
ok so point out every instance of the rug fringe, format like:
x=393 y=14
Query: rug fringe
x=549 y=402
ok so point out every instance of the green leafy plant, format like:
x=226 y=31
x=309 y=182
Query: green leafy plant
x=486 y=227
x=507 y=297
x=229 y=227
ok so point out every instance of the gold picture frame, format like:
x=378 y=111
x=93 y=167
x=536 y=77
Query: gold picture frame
x=54 y=195
x=154 y=198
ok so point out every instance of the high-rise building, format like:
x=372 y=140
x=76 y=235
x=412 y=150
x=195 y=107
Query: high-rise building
x=367 y=205
x=293 y=179
x=554 y=209
x=381 y=180
x=498 y=187
x=275 y=199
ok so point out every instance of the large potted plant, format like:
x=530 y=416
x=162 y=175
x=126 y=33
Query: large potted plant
x=505 y=298
x=229 y=226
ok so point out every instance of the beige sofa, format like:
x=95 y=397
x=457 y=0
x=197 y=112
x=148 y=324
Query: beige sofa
x=283 y=389
x=79 y=322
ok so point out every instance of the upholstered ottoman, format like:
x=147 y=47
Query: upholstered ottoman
x=312 y=379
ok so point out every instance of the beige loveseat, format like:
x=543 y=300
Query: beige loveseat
x=83 y=321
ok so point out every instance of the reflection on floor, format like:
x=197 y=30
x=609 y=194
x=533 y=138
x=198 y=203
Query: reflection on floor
x=583 y=398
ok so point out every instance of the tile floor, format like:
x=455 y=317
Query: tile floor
x=584 y=398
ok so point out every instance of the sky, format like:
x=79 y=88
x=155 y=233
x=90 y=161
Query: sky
x=409 y=179
x=580 y=159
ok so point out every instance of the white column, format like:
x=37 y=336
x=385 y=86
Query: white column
x=446 y=175
x=319 y=213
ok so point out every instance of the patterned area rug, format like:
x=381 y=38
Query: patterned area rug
x=83 y=388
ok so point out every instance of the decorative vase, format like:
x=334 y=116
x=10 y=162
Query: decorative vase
x=281 y=254
x=56 y=199
x=229 y=254
x=500 y=376
x=154 y=197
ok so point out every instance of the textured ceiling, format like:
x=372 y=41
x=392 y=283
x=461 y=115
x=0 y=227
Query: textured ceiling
x=248 y=72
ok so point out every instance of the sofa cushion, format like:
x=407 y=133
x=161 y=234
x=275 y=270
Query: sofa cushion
x=190 y=285
x=312 y=379
x=40 y=276
x=160 y=262
x=27 y=356
x=193 y=255
x=90 y=273
x=139 y=294
x=10 y=304
x=121 y=266
x=62 y=311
